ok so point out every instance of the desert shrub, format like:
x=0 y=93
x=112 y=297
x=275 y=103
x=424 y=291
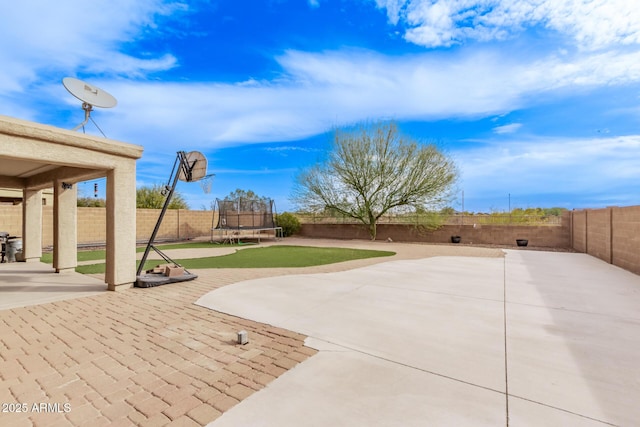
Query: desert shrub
x=289 y=223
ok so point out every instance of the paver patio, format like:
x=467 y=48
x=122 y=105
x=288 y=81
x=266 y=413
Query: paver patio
x=146 y=357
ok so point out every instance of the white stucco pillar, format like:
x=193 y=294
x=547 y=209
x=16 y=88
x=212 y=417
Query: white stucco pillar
x=32 y=225
x=65 y=231
x=121 y=226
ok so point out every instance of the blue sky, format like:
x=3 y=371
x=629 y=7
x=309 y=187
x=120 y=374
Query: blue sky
x=537 y=100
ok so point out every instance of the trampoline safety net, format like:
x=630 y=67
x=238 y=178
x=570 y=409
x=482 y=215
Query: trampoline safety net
x=245 y=214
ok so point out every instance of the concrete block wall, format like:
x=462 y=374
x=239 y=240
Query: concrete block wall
x=194 y=224
x=610 y=234
x=546 y=236
x=626 y=238
x=540 y=236
x=11 y=222
x=92 y=226
x=47 y=226
x=177 y=224
x=184 y=224
x=579 y=231
x=599 y=233
x=11 y=219
x=146 y=220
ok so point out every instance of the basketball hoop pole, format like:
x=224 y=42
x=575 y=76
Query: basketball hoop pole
x=183 y=166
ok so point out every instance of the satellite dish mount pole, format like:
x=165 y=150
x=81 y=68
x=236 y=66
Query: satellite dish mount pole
x=183 y=168
x=87 y=114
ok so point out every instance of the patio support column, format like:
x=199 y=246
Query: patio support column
x=121 y=226
x=32 y=225
x=65 y=231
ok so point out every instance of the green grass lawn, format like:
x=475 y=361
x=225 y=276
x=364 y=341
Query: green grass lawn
x=101 y=253
x=265 y=257
x=82 y=256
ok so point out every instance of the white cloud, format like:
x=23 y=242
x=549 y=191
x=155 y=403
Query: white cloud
x=507 y=129
x=319 y=91
x=288 y=148
x=314 y=3
x=315 y=92
x=228 y=172
x=592 y=24
x=552 y=166
x=75 y=35
x=394 y=9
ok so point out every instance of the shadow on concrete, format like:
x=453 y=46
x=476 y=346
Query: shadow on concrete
x=573 y=323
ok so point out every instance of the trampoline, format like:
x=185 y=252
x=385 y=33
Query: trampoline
x=239 y=218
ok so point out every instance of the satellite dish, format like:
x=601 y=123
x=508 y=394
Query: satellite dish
x=197 y=164
x=91 y=96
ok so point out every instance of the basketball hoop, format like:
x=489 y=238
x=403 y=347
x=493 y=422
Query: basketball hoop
x=188 y=167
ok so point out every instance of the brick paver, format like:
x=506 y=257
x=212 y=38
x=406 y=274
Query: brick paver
x=150 y=356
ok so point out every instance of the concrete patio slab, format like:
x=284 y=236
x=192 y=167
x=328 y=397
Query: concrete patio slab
x=24 y=284
x=525 y=413
x=572 y=281
x=320 y=392
x=399 y=310
x=563 y=342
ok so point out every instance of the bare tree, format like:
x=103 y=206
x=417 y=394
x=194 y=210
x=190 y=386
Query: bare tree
x=374 y=170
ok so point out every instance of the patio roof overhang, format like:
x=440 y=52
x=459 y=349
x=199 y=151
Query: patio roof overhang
x=35 y=156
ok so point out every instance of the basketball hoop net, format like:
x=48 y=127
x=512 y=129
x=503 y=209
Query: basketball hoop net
x=206 y=183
